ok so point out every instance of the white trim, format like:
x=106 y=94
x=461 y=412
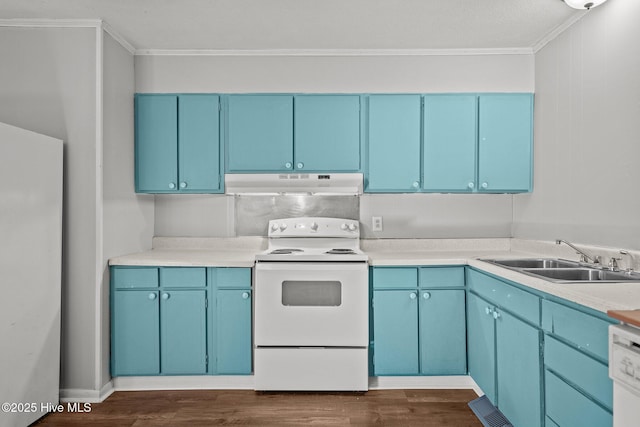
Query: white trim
x=547 y=38
x=424 y=382
x=51 y=23
x=87 y=396
x=118 y=38
x=332 y=52
x=99 y=262
x=210 y=382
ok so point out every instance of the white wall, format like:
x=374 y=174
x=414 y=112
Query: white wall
x=587 y=130
x=436 y=215
x=128 y=218
x=48 y=85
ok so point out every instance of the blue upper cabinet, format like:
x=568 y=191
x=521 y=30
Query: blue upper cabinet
x=302 y=133
x=199 y=143
x=177 y=143
x=260 y=133
x=327 y=133
x=449 y=155
x=393 y=149
x=505 y=145
x=156 y=136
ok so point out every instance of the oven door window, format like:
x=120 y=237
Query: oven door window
x=311 y=293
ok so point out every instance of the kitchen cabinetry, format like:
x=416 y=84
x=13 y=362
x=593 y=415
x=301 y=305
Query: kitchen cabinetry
x=180 y=321
x=505 y=347
x=418 y=321
x=578 y=390
x=393 y=151
x=232 y=331
x=158 y=321
x=478 y=142
x=177 y=143
x=304 y=133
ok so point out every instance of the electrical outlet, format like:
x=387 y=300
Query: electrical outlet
x=376 y=223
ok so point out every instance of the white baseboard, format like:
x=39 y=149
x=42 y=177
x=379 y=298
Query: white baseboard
x=86 y=396
x=246 y=382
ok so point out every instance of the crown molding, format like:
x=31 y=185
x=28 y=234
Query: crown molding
x=332 y=52
x=553 y=34
x=118 y=38
x=51 y=23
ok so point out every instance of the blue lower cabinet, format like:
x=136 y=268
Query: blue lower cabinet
x=233 y=322
x=567 y=407
x=443 y=346
x=481 y=337
x=418 y=331
x=135 y=336
x=504 y=351
x=395 y=326
x=183 y=335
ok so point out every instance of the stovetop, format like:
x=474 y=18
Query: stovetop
x=313 y=239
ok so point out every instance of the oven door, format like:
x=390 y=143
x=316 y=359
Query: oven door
x=311 y=304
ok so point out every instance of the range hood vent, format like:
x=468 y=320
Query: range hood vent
x=294 y=183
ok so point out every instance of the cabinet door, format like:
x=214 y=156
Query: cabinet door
x=199 y=143
x=156 y=141
x=395 y=329
x=450 y=129
x=505 y=142
x=234 y=331
x=183 y=332
x=481 y=345
x=260 y=133
x=393 y=151
x=327 y=133
x=519 y=371
x=443 y=348
x=135 y=333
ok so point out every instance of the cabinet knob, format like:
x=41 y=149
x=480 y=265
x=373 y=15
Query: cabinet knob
x=415 y=184
x=426 y=295
x=288 y=165
x=485 y=185
x=488 y=310
x=471 y=185
x=300 y=165
x=165 y=296
x=152 y=296
x=245 y=295
x=413 y=295
x=172 y=185
x=183 y=184
x=496 y=315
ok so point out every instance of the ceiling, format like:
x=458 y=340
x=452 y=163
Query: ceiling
x=313 y=24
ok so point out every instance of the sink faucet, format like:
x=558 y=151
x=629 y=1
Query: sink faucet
x=584 y=257
x=629 y=268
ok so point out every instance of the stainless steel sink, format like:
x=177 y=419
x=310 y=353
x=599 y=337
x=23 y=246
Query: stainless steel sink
x=583 y=275
x=564 y=271
x=535 y=263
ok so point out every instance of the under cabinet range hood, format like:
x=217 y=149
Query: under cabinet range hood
x=294 y=183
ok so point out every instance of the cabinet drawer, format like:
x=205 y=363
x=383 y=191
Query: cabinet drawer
x=436 y=277
x=232 y=277
x=519 y=302
x=389 y=277
x=183 y=277
x=579 y=369
x=568 y=407
x=587 y=332
x=135 y=277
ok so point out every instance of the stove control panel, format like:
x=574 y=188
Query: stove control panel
x=314 y=227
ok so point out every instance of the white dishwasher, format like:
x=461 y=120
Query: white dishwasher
x=624 y=370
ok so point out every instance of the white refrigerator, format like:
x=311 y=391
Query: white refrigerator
x=30 y=274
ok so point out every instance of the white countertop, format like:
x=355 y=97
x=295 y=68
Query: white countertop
x=240 y=252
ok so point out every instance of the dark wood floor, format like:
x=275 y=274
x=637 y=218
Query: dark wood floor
x=422 y=408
